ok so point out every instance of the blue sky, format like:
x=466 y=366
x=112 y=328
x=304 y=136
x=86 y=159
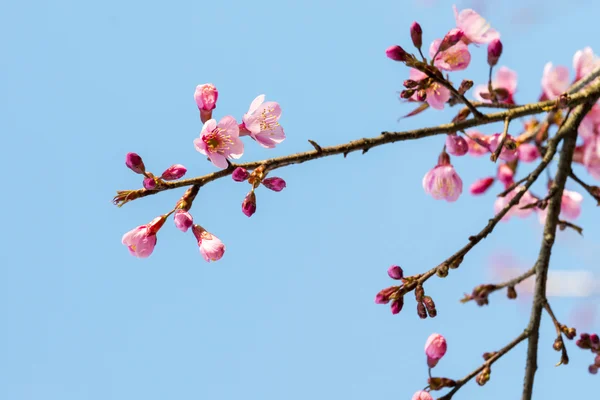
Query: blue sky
x=288 y=313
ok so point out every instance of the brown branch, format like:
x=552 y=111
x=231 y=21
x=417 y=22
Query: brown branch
x=355 y=145
x=496 y=153
x=569 y=131
x=491 y=288
x=594 y=191
x=559 y=343
x=495 y=357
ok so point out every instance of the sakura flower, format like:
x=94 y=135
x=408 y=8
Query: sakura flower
x=206 y=96
x=478 y=143
x=442 y=182
x=590 y=125
x=422 y=395
x=435 y=348
x=476 y=29
x=570 y=206
x=584 y=61
x=220 y=141
x=555 y=80
x=211 y=247
x=261 y=122
x=183 y=220
x=509 y=151
x=505 y=79
x=591 y=157
x=437 y=95
x=515 y=210
x=455 y=58
x=141 y=240
x=480 y=186
x=528 y=152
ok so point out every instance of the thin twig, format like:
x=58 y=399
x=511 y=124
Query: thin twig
x=594 y=191
x=559 y=342
x=499 y=286
x=503 y=137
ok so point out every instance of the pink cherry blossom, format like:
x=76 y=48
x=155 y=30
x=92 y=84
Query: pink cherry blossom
x=477 y=30
x=570 y=206
x=206 y=96
x=141 y=240
x=506 y=153
x=275 y=184
x=442 y=182
x=475 y=147
x=505 y=174
x=590 y=125
x=480 y=186
x=435 y=348
x=584 y=61
x=555 y=80
x=174 y=172
x=456 y=145
x=220 y=141
x=528 y=152
x=591 y=157
x=422 y=395
x=437 y=95
x=506 y=79
x=211 y=247
x=456 y=58
x=183 y=220
x=261 y=122
x=515 y=210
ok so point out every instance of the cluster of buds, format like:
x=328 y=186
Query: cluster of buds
x=425 y=304
x=256 y=178
x=151 y=182
x=393 y=293
x=480 y=294
x=592 y=343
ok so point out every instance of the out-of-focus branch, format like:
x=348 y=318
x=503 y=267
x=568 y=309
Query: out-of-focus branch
x=481 y=292
x=594 y=191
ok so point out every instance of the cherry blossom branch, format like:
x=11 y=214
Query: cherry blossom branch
x=486 y=365
x=480 y=293
x=559 y=344
x=594 y=191
x=496 y=153
x=569 y=131
x=364 y=144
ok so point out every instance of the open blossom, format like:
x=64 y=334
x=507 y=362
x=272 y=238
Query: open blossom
x=508 y=153
x=506 y=79
x=422 y=395
x=555 y=80
x=515 y=210
x=476 y=29
x=476 y=141
x=206 y=96
x=455 y=58
x=480 y=186
x=435 y=348
x=220 y=141
x=183 y=220
x=437 y=95
x=442 y=182
x=141 y=240
x=261 y=122
x=211 y=247
x=528 y=152
x=584 y=61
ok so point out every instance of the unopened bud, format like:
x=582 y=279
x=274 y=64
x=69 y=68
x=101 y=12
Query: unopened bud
x=397 y=305
x=462 y=115
x=480 y=186
x=149 y=183
x=135 y=163
x=511 y=292
x=240 y=174
x=558 y=344
x=416 y=34
x=174 y=172
x=276 y=184
x=410 y=84
x=486 y=356
x=571 y=333
x=456 y=262
x=396 y=53
x=563 y=100
x=593 y=369
x=442 y=271
x=249 y=204
x=465 y=85
x=494 y=52
x=422 y=95
x=484 y=376
x=419 y=293
x=451 y=38
x=421 y=311
x=407 y=94
x=395 y=272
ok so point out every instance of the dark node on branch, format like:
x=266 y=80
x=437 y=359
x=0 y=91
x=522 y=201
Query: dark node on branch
x=316 y=146
x=346 y=153
x=365 y=150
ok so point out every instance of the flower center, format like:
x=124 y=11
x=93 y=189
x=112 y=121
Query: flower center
x=268 y=120
x=217 y=141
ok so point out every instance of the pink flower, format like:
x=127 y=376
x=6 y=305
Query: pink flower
x=437 y=95
x=494 y=52
x=183 y=220
x=590 y=125
x=570 y=205
x=395 y=272
x=422 y=395
x=505 y=79
x=435 y=348
x=240 y=174
x=480 y=186
x=456 y=145
x=249 y=204
x=584 y=61
x=555 y=80
x=174 y=172
x=528 y=152
x=396 y=53
x=206 y=98
x=220 y=141
x=515 y=210
x=477 y=30
x=591 y=157
x=505 y=174
x=262 y=122
x=141 y=240
x=506 y=153
x=135 y=163
x=276 y=184
x=442 y=182
x=455 y=58
x=211 y=247
x=476 y=141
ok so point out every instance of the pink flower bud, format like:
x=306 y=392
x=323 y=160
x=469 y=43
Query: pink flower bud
x=211 y=247
x=249 y=204
x=451 y=38
x=395 y=272
x=396 y=53
x=416 y=34
x=435 y=348
x=383 y=297
x=183 y=220
x=480 y=186
x=494 y=52
x=275 y=184
x=456 y=145
x=593 y=369
x=135 y=163
x=206 y=96
x=422 y=395
x=396 y=306
x=174 y=172
x=505 y=174
x=442 y=182
x=528 y=152
x=240 y=174
x=149 y=183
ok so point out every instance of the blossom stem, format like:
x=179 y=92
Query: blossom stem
x=496 y=153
